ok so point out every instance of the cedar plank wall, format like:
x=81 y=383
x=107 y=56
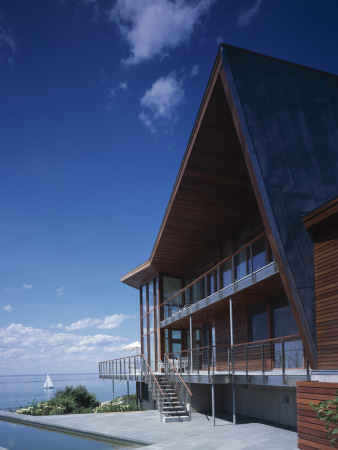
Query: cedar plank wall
x=326 y=279
x=311 y=431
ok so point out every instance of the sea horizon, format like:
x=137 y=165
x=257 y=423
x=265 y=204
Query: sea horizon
x=18 y=390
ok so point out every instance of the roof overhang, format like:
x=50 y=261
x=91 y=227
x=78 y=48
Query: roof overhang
x=212 y=193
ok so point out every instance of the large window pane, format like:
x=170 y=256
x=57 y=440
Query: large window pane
x=144 y=299
x=152 y=351
x=258 y=321
x=150 y=295
x=144 y=325
x=151 y=321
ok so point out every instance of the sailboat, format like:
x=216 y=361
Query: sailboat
x=48 y=383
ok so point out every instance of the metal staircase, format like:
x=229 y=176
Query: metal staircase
x=172 y=408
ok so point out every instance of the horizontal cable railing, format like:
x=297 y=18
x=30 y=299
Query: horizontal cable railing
x=133 y=368
x=127 y=368
x=246 y=261
x=275 y=355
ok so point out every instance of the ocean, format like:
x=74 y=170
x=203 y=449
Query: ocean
x=22 y=390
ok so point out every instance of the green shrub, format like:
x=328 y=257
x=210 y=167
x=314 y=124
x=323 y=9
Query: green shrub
x=327 y=411
x=66 y=401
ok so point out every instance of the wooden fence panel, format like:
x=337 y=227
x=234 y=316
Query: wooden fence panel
x=311 y=431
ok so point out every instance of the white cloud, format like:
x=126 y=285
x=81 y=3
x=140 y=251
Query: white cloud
x=6 y=36
x=60 y=291
x=121 y=87
x=8 y=308
x=36 y=344
x=153 y=27
x=107 y=323
x=26 y=286
x=160 y=102
x=194 y=71
x=246 y=16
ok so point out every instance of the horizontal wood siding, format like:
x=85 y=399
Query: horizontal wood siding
x=326 y=278
x=311 y=431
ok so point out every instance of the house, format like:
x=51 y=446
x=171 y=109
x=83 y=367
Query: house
x=237 y=302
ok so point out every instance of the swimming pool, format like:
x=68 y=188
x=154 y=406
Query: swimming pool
x=22 y=437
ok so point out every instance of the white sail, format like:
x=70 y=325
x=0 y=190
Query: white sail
x=48 y=383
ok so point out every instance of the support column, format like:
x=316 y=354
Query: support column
x=113 y=388
x=232 y=364
x=191 y=353
x=213 y=402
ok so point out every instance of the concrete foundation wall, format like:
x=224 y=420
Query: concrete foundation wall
x=270 y=403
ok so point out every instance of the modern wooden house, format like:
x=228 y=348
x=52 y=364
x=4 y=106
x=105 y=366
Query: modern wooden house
x=239 y=298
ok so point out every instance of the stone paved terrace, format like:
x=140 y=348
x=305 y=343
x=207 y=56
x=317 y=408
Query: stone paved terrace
x=145 y=426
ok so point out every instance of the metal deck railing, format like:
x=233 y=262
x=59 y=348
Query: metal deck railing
x=247 y=261
x=277 y=356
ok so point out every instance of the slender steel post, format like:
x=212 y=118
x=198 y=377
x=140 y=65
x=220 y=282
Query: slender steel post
x=232 y=364
x=213 y=402
x=113 y=388
x=128 y=392
x=283 y=361
x=190 y=323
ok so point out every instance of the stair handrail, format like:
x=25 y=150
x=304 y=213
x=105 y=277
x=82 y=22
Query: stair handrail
x=177 y=373
x=154 y=386
x=182 y=391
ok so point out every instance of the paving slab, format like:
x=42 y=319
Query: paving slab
x=146 y=428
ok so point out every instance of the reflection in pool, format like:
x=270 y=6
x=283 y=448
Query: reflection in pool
x=21 y=437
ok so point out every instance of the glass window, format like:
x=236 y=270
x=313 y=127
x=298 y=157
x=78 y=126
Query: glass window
x=151 y=321
x=144 y=325
x=150 y=295
x=145 y=347
x=166 y=342
x=258 y=321
x=283 y=322
x=176 y=342
x=258 y=254
x=152 y=351
x=144 y=299
x=170 y=287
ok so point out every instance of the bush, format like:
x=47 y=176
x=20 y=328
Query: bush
x=66 y=401
x=327 y=411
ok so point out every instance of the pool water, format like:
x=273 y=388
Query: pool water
x=21 y=437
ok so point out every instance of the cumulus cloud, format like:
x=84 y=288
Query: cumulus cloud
x=107 y=323
x=153 y=27
x=8 y=308
x=26 y=286
x=245 y=16
x=20 y=341
x=159 y=102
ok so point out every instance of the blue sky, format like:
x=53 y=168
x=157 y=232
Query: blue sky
x=97 y=102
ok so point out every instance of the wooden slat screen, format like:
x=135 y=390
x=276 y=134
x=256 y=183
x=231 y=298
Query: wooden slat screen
x=311 y=431
x=326 y=276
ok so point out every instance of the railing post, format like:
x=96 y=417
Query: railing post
x=251 y=261
x=307 y=368
x=208 y=362
x=218 y=287
x=120 y=368
x=263 y=366
x=246 y=364
x=283 y=361
x=233 y=277
x=229 y=360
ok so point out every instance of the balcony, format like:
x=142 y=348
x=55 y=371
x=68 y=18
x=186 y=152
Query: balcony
x=276 y=361
x=252 y=263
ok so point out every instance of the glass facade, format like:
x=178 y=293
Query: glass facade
x=149 y=299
